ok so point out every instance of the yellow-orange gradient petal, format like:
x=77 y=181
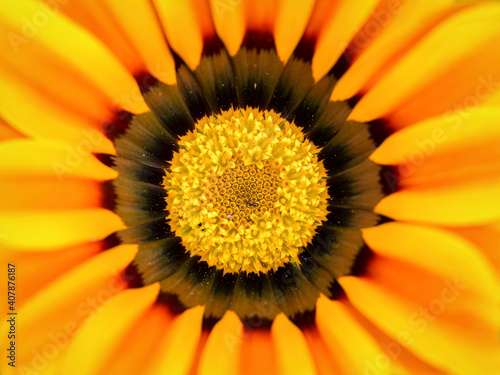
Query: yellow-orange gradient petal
x=71 y=64
x=286 y=37
x=131 y=30
x=175 y=352
x=229 y=21
x=448 y=168
x=139 y=21
x=258 y=354
x=293 y=355
x=54 y=263
x=382 y=41
x=7 y=131
x=338 y=31
x=49 y=230
x=487 y=239
x=450 y=314
x=455 y=49
x=223 y=348
x=52 y=317
x=48 y=193
x=132 y=353
x=107 y=330
x=38 y=116
x=340 y=331
x=186 y=23
x=395 y=349
x=26 y=157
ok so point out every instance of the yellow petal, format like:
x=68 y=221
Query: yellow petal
x=286 y=37
x=48 y=230
x=379 y=44
x=294 y=357
x=340 y=330
x=229 y=21
x=447 y=165
x=52 y=317
x=450 y=317
x=338 y=31
x=25 y=157
x=35 y=32
x=106 y=330
x=186 y=23
x=177 y=349
x=54 y=263
x=21 y=106
x=448 y=44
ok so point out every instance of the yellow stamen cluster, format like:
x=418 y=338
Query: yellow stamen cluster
x=246 y=191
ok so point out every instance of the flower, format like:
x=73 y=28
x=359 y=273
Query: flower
x=255 y=187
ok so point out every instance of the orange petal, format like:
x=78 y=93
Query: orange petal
x=131 y=30
x=294 y=357
x=389 y=33
x=25 y=157
x=325 y=363
x=66 y=54
x=48 y=193
x=176 y=351
x=49 y=230
x=258 y=354
x=286 y=37
x=340 y=330
x=337 y=33
x=447 y=165
x=51 y=318
x=186 y=24
x=21 y=106
x=229 y=21
x=456 y=48
x=54 y=264
x=223 y=348
x=450 y=315
x=140 y=342
x=139 y=21
x=487 y=239
x=7 y=131
x=107 y=330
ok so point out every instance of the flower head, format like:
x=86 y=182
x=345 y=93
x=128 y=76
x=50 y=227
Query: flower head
x=254 y=187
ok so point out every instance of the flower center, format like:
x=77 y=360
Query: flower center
x=246 y=191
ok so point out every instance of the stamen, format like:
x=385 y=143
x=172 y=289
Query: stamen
x=246 y=191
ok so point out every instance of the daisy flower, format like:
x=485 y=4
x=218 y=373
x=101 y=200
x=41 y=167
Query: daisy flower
x=250 y=187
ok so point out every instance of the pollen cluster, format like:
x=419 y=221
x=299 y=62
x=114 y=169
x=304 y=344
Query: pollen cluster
x=246 y=191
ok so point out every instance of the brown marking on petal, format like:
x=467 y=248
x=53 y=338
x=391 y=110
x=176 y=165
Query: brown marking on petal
x=117 y=124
